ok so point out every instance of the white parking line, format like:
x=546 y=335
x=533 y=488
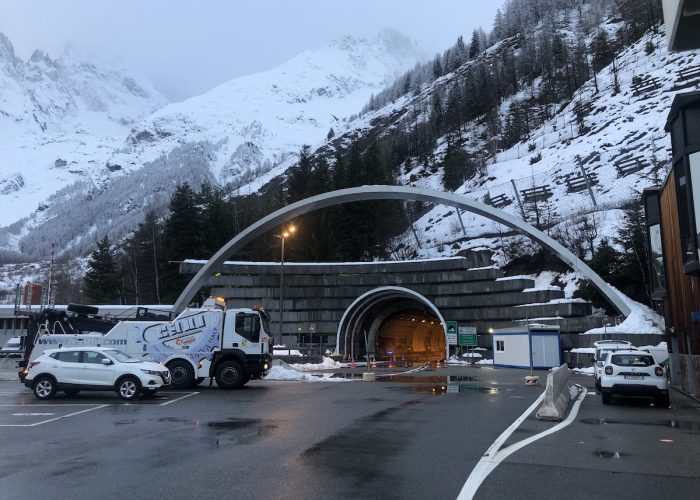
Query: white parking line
x=180 y=398
x=494 y=455
x=54 y=419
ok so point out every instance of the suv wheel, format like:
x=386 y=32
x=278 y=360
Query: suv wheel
x=44 y=387
x=128 y=388
x=182 y=374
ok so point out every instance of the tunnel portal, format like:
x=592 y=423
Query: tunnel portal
x=393 y=321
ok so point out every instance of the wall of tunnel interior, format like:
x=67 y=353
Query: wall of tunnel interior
x=413 y=336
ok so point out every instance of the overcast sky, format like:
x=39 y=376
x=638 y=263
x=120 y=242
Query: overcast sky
x=187 y=47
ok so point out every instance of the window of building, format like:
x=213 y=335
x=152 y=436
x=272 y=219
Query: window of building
x=500 y=345
x=657 y=270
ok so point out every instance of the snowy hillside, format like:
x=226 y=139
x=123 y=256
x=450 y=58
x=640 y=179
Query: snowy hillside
x=257 y=122
x=125 y=167
x=614 y=132
x=59 y=121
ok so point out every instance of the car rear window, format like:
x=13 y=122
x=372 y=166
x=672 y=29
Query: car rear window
x=632 y=360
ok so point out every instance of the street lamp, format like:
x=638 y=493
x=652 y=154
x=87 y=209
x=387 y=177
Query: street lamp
x=283 y=236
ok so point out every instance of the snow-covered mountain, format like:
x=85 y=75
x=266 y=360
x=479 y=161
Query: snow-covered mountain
x=67 y=128
x=59 y=121
x=257 y=122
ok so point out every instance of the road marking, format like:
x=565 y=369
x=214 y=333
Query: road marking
x=178 y=399
x=49 y=404
x=494 y=455
x=54 y=419
x=32 y=414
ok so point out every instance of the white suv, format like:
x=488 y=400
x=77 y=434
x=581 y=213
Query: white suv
x=634 y=373
x=75 y=369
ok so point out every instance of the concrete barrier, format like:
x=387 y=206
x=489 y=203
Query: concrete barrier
x=557 y=394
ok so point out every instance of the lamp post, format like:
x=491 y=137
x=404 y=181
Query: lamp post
x=283 y=236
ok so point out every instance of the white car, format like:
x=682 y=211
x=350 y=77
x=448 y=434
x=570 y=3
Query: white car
x=12 y=349
x=602 y=349
x=75 y=369
x=634 y=373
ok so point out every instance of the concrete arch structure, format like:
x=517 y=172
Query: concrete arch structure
x=355 y=312
x=365 y=193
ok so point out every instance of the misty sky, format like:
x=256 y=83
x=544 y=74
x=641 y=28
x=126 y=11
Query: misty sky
x=188 y=47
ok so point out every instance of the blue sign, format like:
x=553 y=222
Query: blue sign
x=389 y=352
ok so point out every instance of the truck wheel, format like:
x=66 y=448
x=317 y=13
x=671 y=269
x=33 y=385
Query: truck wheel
x=182 y=374
x=230 y=375
x=44 y=387
x=128 y=388
x=607 y=398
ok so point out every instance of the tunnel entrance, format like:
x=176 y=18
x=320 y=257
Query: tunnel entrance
x=392 y=321
x=411 y=336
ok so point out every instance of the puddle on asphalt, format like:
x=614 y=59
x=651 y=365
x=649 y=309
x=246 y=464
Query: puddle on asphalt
x=410 y=379
x=234 y=431
x=675 y=424
x=609 y=454
x=448 y=389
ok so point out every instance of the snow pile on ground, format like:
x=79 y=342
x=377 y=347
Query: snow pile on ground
x=583 y=350
x=283 y=350
x=484 y=362
x=282 y=373
x=326 y=364
x=642 y=320
x=584 y=371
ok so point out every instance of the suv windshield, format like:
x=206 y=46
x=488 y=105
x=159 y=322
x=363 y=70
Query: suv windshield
x=632 y=360
x=120 y=356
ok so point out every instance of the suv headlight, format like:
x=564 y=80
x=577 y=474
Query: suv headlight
x=150 y=372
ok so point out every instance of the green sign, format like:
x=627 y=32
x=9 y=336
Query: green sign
x=451 y=331
x=467 y=336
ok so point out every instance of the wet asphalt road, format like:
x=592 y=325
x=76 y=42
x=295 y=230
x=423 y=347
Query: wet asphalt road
x=407 y=439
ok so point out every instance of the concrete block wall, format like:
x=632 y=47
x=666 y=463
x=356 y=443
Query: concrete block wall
x=317 y=295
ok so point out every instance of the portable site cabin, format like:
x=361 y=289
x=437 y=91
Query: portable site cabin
x=528 y=346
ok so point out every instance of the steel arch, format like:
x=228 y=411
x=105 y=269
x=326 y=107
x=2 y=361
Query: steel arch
x=365 y=193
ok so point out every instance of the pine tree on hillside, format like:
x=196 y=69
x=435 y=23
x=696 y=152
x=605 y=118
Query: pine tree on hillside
x=475 y=45
x=102 y=280
x=602 y=49
x=142 y=255
x=182 y=239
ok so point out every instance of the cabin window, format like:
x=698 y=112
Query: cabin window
x=500 y=345
x=248 y=326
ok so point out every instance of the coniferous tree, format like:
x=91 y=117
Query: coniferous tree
x=182 y=239
x=475 y=46
x=102 y=280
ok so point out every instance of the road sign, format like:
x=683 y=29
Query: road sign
x=389 y=352
x=467 y=336
x=451 y=331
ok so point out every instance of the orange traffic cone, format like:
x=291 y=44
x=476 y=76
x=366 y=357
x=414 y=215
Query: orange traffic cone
x=391 y=362
x=439 y=364
x=374 y=363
